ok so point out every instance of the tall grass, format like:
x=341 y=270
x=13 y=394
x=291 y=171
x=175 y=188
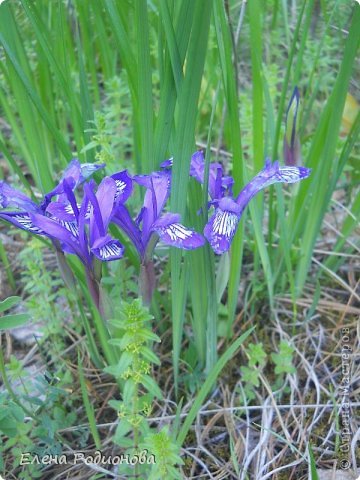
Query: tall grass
x=57 y=59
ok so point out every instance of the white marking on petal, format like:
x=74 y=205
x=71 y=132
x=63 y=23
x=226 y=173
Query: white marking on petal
x=89 y=211
x=225 y=223
x=177 y=231
x=110 y=250
x=69 y=209
x=289 y=174
x=71 y=227
x=120 y=187
x=25 y=221
x=88 y=168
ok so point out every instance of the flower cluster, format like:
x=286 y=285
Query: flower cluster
x=77 y=219
x=81 y=228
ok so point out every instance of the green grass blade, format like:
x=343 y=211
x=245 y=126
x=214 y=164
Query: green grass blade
x=208 y=384
x=36 y=100
x=257 y=85
x=168 y=93
x=123 y=43
x=87 y=112
x=89 y=408
x=313 y=472
x=229 y=84
x=144 y=88
x=183 y=148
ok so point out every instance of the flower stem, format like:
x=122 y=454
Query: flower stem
x=147 y=281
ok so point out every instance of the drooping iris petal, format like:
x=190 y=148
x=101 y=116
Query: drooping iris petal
x=292 y=174
x=107 y=249
x=59 y=232
x=221 y=228
x=123 y=186
x=22 y=220
x=71 y=227
x=173 y=233
x=271 y=173
x=10 y=197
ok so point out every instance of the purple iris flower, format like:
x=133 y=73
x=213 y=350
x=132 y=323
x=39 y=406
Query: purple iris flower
x=74 y=174
x=152 y=224
x=222 y=225
x=74 y=228
x=82 y=228
x=65 y=221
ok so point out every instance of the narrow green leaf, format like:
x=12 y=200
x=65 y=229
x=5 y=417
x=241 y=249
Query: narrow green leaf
x=313 y=471
x=36 y=100
x=207 y=385
x=144 y=88
x=89 y=408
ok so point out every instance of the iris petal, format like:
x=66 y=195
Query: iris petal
x=107 y=249
x=61 y=211
x=71 y=227
x=158 y=190
x=11 y=197
x=173 y=233
x=59 y=232
x=292 y=174
x=220 y=230
x=123 y=186
x=22 y=220
x=270 y=174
